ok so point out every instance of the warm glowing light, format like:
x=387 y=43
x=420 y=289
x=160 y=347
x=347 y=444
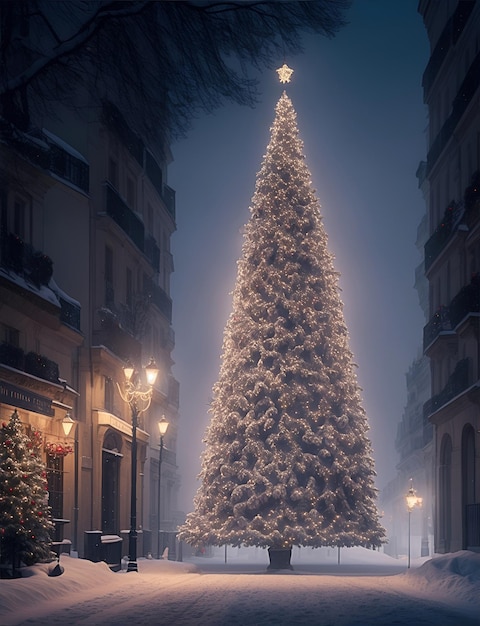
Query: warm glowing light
x=67 y=424
x=412 y=499
x=151 y=371
x=163 y=425
x=284 y=73
x=128 y=372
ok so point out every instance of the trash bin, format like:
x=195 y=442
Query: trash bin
x=112 y=551
x=93 y=545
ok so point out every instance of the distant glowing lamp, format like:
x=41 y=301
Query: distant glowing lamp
x=412 y=501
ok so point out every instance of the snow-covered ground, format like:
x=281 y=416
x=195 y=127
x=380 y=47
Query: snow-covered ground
x=366 y=588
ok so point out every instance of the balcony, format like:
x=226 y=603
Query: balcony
x=48 y=152
x=168 y=196
x=450 y=35
x=456 y=384
x=152 y=252
x=439 y=323
x=160 y=299
x=36 y=270
x=446 y=319
x=443 y=233
x=460 y=103
x=32 y=363
x=466 y=302
x=121 y=213
x=116 y=338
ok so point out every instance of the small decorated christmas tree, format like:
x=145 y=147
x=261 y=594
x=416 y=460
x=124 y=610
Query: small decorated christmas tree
x=25 y=523
x=287 y=460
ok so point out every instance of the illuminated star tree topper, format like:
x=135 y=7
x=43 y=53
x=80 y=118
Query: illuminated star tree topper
x=284 y=73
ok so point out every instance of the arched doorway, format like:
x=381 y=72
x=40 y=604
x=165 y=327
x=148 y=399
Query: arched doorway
x=111 y=459
x=445 y=495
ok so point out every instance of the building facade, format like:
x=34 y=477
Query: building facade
x=452 y=267
x=86 y=221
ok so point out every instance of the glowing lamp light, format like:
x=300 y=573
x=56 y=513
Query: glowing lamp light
x=412 y=499
x=151 y=371
x=163 y=425
x=67 y=423
x=128 y=372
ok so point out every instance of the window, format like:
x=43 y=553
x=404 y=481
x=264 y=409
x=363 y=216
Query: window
x=9 y=335
x=150 y=218
x=55 y=485
x=21 y=218
x=108 y=398
x=129 y=288
x=109 y=291
x=131 y=193
x=113 y=171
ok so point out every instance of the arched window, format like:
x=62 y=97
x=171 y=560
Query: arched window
x=445 y=495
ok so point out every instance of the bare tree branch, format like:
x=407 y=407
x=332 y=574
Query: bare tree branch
x=160 y=63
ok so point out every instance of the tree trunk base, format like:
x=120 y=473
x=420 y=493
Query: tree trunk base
x=279 y=558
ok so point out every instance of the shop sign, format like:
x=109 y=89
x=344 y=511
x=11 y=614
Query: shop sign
x=25 y=399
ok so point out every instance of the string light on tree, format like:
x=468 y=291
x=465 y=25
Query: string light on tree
x=287 y=458
x=24 y=513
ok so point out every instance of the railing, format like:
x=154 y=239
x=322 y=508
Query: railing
x=447 y=318
x=152 y=252
x=160 y=299
x=37 y=269
x=69 y=313
x=443 y=232
x=440 y=322
x=452 y=31
x=168 y=196
x=466 y=301
x=41 y=149
x=32 y=363
x=67 y=166
x=456 y=384
x=120 y=212
x=460 y=103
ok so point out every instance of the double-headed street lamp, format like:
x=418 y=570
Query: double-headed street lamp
x=412 y=501
x=162 y=427
x=139 y=398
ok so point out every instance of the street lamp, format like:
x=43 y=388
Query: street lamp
x=412 y=501
x=67 y=424
x=139 y=398
x=162 y=427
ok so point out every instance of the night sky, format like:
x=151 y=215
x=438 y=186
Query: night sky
x=358 y=99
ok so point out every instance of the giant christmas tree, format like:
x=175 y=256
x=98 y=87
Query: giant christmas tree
x=25 y=521
x=287 y=459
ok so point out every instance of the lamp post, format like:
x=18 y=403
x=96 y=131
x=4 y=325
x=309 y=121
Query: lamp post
x=162 y=427
x=67 y=424
x=139 y=398
x=412 y=501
